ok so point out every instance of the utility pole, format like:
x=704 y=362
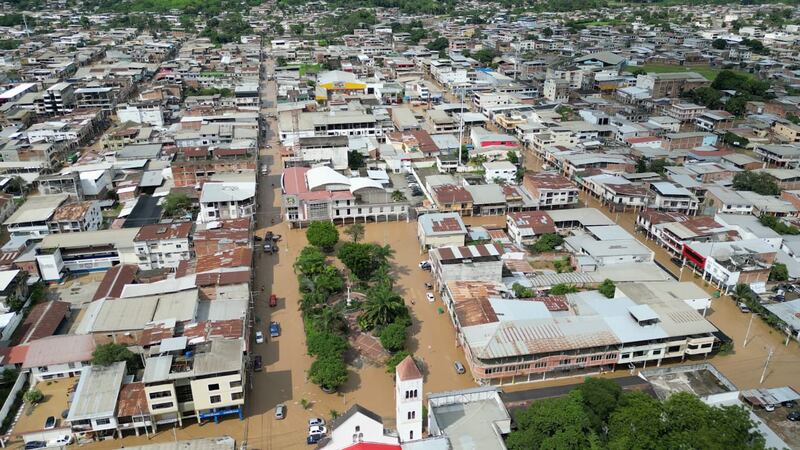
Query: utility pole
x=461 y=129
x=747 y=334
x=766 y=364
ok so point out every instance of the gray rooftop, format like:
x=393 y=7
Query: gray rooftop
x=97 y=392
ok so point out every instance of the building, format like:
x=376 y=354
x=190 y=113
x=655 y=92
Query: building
x=356 y=426
x=509 y=341
x=223 y=235
x=321 y=193
x=227 y=200
x=787 y=132
x=76 y=218
x=779 y=155
x=483 y=262
x=727 y=264
x=59 y=254
x=670 y=84
x=500 y=172
x=163 y=245
x=68 y=183
x=144 y=114
x=551 y=190
x=94 y=404
x=201 y=381
x=57 y=100
x=473 y=418
x=685 y=112
x=525 y=227
x=716 y=120
x=440 y=230
x=668 y=197
x=58 y=356
x=408 y=399
x=30 y=220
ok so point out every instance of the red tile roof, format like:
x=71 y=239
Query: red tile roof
x=408 y=370
x=42 y=321
x=159 y=231
x=115 y=280
x=450 y=193
x=238 y=257
x=131 y=400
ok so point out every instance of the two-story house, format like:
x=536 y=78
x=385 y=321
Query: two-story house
x=163 y=245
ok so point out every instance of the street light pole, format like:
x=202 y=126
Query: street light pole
x=747 y=334
x=766 y=364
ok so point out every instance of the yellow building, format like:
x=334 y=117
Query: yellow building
x=338 y=81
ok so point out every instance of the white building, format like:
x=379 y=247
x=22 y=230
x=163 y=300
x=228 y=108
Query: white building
x=163 y=245
x=503 y=171
x=30 y=219
x=94 y=403
x=408 y=400
x=226 y=200
x=359 y=425
x=152 y=115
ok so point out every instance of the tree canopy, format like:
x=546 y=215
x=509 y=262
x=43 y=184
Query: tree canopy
x=176 y=205
x=607 y=288
x=107 y=354
x=758 y=182
x=598 y=415
x=547 y=243
x=322 y=234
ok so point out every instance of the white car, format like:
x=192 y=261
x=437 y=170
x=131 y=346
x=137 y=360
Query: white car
x=425 y=264
x=769 y=408
x=315 y=421
x=259 y=337
x=64 y=439
x=317 y=429
x=430 y=297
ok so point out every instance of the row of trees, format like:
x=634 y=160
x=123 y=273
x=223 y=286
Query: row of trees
x=599 y=415
x=746 y=88
x=758 y=182
x=744 y=294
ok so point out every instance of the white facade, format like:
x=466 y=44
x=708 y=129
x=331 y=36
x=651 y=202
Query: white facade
x=502 y=170
x=359 y=427
x=162 y=253
x=408 y=408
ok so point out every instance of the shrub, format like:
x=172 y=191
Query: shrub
x=393 y=337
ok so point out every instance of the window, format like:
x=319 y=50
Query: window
x=162 y=405
x=638 y=353
x=657 y=351
x=215 y=399
x=540 y=365
x=237 y=395
x=160 y=394
x=596 y=358
x=103 y=421
x=213 y=387
x=358 y=428
x=581 y=359
x=236 y=383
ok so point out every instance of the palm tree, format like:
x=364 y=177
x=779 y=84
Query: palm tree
x=398 y=196
x=382 y=306
x=383 y=275
x=355 y=231
x=383 y=253
x=330 y=318
x=311 y=300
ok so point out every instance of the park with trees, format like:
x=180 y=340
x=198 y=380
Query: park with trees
x=325 y=270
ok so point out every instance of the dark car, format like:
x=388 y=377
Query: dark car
x=789 y=404
x=794 y=416
x=314 y=438
x=30 y=445
x=50 y=423
x=257 y=364
x=677 y=261
x=274 y=329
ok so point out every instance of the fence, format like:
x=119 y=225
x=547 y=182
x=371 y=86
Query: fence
x=12 y=396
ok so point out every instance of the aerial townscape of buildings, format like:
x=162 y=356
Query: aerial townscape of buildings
x=399 y=225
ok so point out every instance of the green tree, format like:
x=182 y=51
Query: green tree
x=758 y=182
x=328 y=371
x=735 y=140
x=547 y=242
x=176 y=205
x=636 y=424
x=395 y=359
x=521 y=291
x=607 y=288
x=547 y=32
x=15 y=303
x=512 y=157
x=382 y=306
x=438 y=44
x=393 y=337
x=355 y=231
x=107 y=354
x=322 y=343
x=322 y=234
x=310 y=261
x=329 y=281
x=329 y=318
x=297 y=28
x=778 y=225
x=552 y=423
x=33 y=396
x=398 y=196
x=778 y=272
x=563 y=289
x=719 y=44
x=355 y=160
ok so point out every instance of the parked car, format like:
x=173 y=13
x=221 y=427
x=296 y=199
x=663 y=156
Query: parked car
x=257 y=364
x=259 y=337
x=274 y=329
x=778 y=298
x=314 y=438
x=769 y=407
x=459 y=367
x=64 y=439
x=794 y=416
x=425 y=265
x=280 y=411
x=50 y=423
x=430 y=297
x=30 y=445
x=273 y=300
x=270 y=248
x=428 y=286
x=743 y=307
x=317 y=429
x=315 y=421
x=789 y=404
